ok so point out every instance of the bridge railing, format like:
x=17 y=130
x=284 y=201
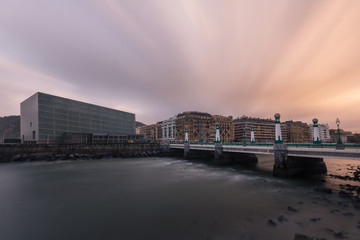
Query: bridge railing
x=298 y=145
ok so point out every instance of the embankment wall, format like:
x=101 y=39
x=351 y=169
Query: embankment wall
x=14 y=153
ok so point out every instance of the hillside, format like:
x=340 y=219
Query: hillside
x=9 y=127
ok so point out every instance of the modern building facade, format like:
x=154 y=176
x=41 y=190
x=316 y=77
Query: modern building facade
x=264 y=130
x=46 y=118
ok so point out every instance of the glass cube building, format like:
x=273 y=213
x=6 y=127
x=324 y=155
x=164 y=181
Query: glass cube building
x=45 y=119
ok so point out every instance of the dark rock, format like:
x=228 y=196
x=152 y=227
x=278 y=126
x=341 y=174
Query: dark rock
x=315 y=219
x=348 y=214
x=271 y=223
x=323 y=190
x=282 y=218
x=334 y=210
x=340 y=235
x=344 y=194
x=303 y=237
x=300 y=203
x=292 y=209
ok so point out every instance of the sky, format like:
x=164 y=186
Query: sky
x=158 y=58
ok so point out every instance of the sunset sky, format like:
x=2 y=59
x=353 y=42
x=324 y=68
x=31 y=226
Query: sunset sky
x=157 y=58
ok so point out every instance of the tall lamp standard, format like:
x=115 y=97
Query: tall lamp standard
x=338 y=123
x=244 y=143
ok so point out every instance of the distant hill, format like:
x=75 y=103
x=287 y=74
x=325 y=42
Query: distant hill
x=139 y=124
x=9 y=127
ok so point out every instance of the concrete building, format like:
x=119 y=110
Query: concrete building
x=159 y=131
x=202 y=127
x=198 y=125
x=169 y=129
x=226 y=125
x=151 y=132
x=298 y=132
x=46 y=118
x=343 y=135
x=323 y=131
x=264 y=130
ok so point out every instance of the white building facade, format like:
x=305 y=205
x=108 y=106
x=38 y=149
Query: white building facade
x=323 y=131
x=168 y=129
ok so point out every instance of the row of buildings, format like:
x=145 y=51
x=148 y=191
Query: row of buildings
x=201 y=128
x=47 y=119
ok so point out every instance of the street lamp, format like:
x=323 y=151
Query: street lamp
x=244 y=143
x=338 y=123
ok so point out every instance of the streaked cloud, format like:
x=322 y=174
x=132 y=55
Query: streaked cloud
x=158 y=58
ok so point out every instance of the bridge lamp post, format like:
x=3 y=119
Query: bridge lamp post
x=338 y=124
x=186 y=136
x=244 y=136
x=252 y=141
x=278 y=138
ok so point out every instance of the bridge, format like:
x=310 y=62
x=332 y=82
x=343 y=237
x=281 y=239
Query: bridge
x=290 y=159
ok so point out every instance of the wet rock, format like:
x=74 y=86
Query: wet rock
x=315 y=219
x=304 y=237
x=348 y=214
x=282 y=219
x=323 y=190
x=271 y=223
x=344 y=194
x=340 y=235
x=334 y=211
x=291 y=209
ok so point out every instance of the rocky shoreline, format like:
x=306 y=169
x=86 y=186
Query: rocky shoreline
x=24 y=153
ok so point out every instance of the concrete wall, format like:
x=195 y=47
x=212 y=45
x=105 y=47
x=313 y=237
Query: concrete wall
x=29 y=120
x=53 y=116
x=10 y=153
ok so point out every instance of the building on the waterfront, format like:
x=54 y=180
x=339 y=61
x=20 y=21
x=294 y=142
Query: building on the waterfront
x=323 y=131
x=46 y=118
x=226 y=125
x=141 y=130
x=343 y=135
x=298 y=132
x=264 y=130
x=198 y=125
x=151 y=132
x=159 y=131
x=168 y=128
x=354 y=138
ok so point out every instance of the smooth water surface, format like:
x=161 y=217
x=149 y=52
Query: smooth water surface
x=168 y=198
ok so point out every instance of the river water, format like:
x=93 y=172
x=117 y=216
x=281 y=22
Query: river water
x=169 y=198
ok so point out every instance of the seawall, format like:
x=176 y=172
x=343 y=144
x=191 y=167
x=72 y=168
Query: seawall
x=18 y=153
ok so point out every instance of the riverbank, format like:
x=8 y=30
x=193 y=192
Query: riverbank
x=21 y=153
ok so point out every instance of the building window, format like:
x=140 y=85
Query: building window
x=30 y=124
x=34 y=135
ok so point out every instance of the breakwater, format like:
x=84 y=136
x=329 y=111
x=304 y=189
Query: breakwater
x=16 y=153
